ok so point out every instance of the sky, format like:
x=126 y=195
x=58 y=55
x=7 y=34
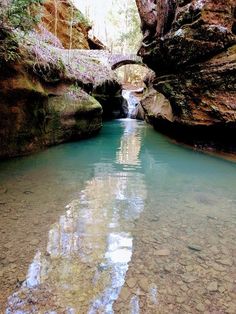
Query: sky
x=97 y=10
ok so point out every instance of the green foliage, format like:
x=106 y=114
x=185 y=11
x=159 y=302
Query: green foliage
x=81 y=19
x=17 y=15
x=21 y=14
x=8 y=46
x=125 y=20
x=61 y=65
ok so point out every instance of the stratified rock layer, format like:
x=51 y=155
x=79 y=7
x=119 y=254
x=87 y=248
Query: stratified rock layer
x=50 y=94
x=68 y=24
x=191 y=46
x=35 y=114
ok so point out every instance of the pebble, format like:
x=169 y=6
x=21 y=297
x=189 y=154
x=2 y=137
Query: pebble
x=154 y=219
x=213 y=286
x=12 y=259
x=164 y=252
x=187 y=308
x=7 y=246
x=143 y=284
x=34 y=242
x=3 y=190
x=124 y=294
x=222 y=289
x=189 y=268
x=14 y=217
x=11 y=267
x=2 y=256
x=28 y=192
x=36 y=222
x=194 y=247
x=21 y=278
x=180 y=300
x=184 y=288
x=218 y=267
x=226 y=262
x=167 y=268
x=188 y=278
x=214 y=250
x=131 y=282
x=200 y=307
x=211 y=217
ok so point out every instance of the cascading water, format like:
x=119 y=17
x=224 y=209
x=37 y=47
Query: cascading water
x=131 y=100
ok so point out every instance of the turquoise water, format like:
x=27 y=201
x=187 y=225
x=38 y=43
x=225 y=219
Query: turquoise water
x=126 y=222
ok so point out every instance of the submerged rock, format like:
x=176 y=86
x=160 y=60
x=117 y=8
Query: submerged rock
x=213 y=286
x=194 y=247
x=191 y=46
x=163 y=252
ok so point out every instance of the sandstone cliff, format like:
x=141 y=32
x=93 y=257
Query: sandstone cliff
x=48 y=93
x=191 y=46
x=67 y=23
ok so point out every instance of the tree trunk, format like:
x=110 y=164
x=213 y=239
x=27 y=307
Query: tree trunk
x=56 y=18
x=71 y=33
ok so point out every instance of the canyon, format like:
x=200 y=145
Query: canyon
x=56 y=89
x=121 y=217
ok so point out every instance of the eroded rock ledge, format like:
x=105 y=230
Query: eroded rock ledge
x=191 y=46
x=49 y=94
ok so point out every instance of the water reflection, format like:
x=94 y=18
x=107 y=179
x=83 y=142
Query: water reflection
x=128 y=153
x=156 y=236
x=90 y=247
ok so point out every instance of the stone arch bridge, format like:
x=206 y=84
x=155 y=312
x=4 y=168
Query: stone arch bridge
x=111 y=60
x=117 y=60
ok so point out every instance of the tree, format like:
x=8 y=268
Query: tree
x=125 y=22
x=19 y=14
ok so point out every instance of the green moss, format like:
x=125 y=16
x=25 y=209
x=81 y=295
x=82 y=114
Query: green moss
x=167 y=88
x=81 y=19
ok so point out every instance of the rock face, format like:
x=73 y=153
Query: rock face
x=66 y=23
x=191 y=46
x=35 y=113
x=50 y=95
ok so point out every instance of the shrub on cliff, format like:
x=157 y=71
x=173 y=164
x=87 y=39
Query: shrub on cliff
x=20 y=15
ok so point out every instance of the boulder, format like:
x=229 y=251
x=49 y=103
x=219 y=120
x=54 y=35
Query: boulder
x=156 y=106
x=34 y=116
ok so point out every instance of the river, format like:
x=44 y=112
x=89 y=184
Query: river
x=126 y=222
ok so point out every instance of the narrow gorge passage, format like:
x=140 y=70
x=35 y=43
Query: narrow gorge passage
x=108 y=204
x=138 y=225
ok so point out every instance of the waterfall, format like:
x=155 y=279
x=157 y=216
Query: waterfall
x=131 y=100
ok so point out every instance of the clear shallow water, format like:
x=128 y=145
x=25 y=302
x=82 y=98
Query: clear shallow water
x=122 y=223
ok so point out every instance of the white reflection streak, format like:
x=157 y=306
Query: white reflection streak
x=134 y=305
x=118 y=255
x=33 y=276
x=92 y=230
x=130 y=145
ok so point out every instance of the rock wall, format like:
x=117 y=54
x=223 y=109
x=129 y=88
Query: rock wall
x=48 y=94
x=191 y=46
x=66 y=23
x=35 y=114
